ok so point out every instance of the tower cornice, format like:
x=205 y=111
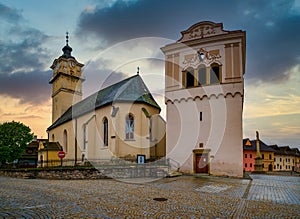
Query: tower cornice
x=65 y=74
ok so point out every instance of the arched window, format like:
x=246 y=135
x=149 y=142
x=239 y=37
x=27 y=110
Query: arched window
x=105 y=131
x=65 y=137
x=215 y=74
x=53 y=138
x=202 y=75
x=129 y=126
x=85 y=137
x=189 y=78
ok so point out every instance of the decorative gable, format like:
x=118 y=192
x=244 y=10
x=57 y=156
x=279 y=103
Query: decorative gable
x=202 y=30
x=248 y=143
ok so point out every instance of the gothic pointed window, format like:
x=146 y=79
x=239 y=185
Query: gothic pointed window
x=85 y=137
x=215 y=74
x=129 y=127
x=105 y=131
x=65 y=137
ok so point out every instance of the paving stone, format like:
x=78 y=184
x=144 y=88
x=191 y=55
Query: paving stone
x=186 y=197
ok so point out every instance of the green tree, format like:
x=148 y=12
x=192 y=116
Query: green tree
x=14 y=136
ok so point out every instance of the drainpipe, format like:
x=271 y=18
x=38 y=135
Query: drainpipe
x=75 y=141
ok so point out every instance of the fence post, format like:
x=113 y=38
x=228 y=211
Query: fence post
x=61 y=163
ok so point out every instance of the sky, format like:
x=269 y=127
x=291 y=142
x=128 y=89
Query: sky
x=113 y=37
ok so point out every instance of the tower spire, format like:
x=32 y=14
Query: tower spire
x=67 y=38
x=67 y=49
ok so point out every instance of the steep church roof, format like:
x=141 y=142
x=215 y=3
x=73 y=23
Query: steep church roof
x=132 y=89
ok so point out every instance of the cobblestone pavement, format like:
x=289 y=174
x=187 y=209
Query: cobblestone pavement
x=180 y=197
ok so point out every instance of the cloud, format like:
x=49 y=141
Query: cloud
x=31 y=87
x=9 y=14
x=276 y=129
x=271 y=26
x=272 y=49
x=23 y=58
x=99 y=76
x=130 y=19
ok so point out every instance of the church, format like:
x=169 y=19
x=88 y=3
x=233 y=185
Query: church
x=204 y=95
x=118 y=121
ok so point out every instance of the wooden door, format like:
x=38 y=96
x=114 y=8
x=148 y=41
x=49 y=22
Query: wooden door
x=201 y=163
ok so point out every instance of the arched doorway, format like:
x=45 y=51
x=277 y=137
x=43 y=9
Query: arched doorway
x=270 y=167
x=41 y=160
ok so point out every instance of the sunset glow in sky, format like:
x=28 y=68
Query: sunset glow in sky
x=113 y=37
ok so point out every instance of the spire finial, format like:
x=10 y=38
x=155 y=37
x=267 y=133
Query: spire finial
x=67 y=38
x=67 y=49
x=138 y=70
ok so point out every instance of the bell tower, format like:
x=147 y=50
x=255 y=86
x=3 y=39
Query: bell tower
x=204 y=94
x=66 y=82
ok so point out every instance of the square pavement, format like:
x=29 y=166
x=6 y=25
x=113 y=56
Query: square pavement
x=265 y=196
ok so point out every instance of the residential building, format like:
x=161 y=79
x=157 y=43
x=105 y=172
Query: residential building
x=249 y=155
x=296 y=153
x=48 y=154
x=286 y=159
x=29 y=159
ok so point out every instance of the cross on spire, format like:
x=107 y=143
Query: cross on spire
x=67 y=38
x=138 y=70
x=67 y=49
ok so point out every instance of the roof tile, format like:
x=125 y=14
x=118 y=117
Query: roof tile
x=132 y=89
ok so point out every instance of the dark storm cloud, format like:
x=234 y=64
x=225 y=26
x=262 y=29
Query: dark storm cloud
x=25 y=54
x=98 y=76
x=272 y=27
x=31 y=87
x=126 y=20
x=22 y=58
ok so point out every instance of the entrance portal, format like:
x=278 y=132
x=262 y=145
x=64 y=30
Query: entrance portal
x=201 y=160
x=202 y=163
x=270 y=167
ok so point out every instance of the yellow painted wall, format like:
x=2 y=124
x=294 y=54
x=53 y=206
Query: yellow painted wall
x=118 y=146
x=267 y=160
x=49 y=158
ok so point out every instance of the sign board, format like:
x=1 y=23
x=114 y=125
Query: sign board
x=141 y=159
x=61 y=154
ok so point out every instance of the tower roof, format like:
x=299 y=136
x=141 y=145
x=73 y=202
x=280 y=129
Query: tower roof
x=67 y=49
x=132 y=89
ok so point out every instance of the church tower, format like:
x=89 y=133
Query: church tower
x=204 y=93
x=66 y=82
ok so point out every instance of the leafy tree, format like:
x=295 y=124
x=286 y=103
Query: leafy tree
x=14 y=136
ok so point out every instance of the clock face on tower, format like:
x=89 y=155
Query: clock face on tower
x=57 y=66
x=71 y=64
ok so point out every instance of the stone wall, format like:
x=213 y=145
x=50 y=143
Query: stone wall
x=71 y=173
